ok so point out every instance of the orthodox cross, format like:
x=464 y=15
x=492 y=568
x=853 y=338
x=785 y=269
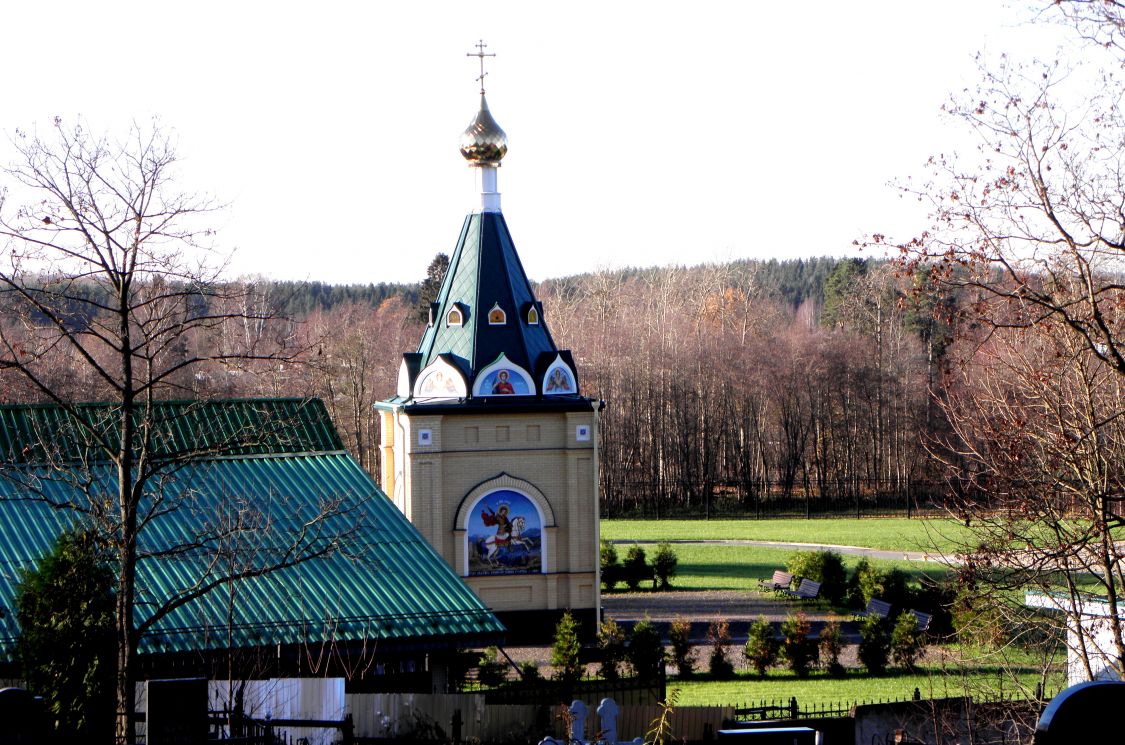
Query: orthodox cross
x=480 y=45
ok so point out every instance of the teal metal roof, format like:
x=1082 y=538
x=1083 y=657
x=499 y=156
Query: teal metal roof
x=30 y=433
x=387 y=584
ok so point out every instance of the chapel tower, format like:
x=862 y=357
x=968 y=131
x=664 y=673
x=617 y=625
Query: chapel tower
x=489 y=447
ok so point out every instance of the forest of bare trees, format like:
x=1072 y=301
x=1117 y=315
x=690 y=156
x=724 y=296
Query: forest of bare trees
x=745 y=388
x=725 y=396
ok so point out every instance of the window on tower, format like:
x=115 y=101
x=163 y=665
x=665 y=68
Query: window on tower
x=497 y=316
x=532 y=316
x=454 y=317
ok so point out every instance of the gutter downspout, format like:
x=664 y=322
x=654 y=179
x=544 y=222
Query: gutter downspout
x=400 y=477
x=595 y=405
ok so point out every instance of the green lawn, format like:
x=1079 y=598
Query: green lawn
x=819 y=690
x=893 y=534
x=726 y=567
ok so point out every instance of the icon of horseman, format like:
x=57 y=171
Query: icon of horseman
x=503 y=535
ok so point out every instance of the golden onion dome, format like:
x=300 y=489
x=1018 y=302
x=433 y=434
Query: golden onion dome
x=483 y=141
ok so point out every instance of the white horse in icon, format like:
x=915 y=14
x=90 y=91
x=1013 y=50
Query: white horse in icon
x=493 y=543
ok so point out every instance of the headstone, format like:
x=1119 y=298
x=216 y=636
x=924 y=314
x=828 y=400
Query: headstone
x=1083 y=713
x=23 y=718
x=578 y=715
x=607 y=712
x=607 y=715
x=177 y=712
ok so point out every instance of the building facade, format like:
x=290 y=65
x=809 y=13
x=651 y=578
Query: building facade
x=489 y=447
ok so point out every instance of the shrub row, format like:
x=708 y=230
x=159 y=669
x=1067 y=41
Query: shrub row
x=642 y=652
x=636 y=566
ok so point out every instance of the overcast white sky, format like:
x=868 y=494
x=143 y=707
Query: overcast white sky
x=640 y=133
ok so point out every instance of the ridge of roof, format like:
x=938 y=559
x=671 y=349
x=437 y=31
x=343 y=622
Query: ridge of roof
x=535 y=347
x=169 y=430
x=160 y=402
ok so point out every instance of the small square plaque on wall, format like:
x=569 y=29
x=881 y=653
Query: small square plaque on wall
x=425 y=437
x=582 y=433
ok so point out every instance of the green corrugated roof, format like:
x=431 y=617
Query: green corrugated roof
x=232 y=426
x=388 y=584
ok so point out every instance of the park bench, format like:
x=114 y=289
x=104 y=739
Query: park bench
x=922 y=618
x=878 y=608
x=807 y=590
x=780 y=581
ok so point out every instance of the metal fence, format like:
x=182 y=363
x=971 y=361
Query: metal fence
x=773 y=709
x=472 y=716
x=768 y=500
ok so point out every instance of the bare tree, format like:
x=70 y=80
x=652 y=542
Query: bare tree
x=720 y=394
x=1029 y=233
x=1039 y=430
x=348 y=367
x=1035 y=215
x=106 y=266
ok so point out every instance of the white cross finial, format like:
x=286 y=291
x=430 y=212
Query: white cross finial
x=480 y=45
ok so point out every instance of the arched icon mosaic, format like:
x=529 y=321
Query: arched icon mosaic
x=559 y=379
x=504 y=381
x=503 y=378
x=440 y=380
x=505 y=535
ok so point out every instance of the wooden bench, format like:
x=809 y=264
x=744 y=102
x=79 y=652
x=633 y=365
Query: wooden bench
x=781 y=581
x=881 y=609
x=807 y=590
x=923 y=619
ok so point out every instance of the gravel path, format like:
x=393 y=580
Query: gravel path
x=704 y=605
x=871 y=553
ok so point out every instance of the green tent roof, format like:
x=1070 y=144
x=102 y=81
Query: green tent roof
x=485 y=272
x=386 y=584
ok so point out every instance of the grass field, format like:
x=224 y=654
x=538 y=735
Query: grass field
x=892 y=534
x=819 y=690
x=727 y=567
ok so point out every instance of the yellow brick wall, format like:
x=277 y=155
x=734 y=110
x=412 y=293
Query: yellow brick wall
x=538 y=448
